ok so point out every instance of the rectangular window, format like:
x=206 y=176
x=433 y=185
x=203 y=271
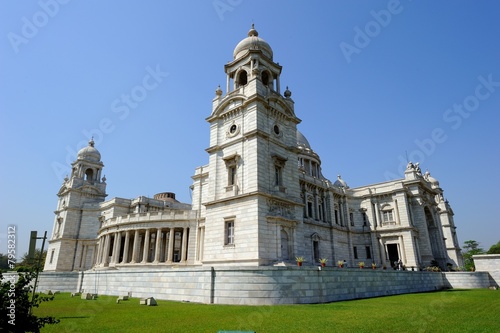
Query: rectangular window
x=355 y=252
x=309 y=209
x=232 y=175
x=51 y=256
x=316 y=251
x=336 y=216
x=368 y=253
x=387 y=216
x=365 y=219
x=314 y=170
x=278 y=175
x=229 y=233
x=351 y=218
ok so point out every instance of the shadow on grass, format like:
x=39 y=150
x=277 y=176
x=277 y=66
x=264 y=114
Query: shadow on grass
x=74 y=317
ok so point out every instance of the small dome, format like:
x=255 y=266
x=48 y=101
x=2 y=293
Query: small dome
x=218 y=92
x=89 y=153
x=253 y=42
x=340 y=182
x=302 y=141
x=287 y=93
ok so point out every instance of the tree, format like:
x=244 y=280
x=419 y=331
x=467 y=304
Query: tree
x=471 y=248
x=27 y=264
x=4 y=262
x=494 y=249
x=16 y=302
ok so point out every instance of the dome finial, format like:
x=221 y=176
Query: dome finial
x=91 y=142
x=253 y=32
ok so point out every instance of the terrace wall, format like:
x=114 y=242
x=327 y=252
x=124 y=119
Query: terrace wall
x=258 y=286
x=489 y=263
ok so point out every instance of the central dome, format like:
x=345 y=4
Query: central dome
x=253 y=42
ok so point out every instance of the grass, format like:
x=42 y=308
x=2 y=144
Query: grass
x=474 y=310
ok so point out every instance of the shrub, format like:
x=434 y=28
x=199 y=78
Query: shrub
x=16 y=303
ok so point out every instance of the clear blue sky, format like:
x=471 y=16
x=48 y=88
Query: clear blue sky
x=373 y=81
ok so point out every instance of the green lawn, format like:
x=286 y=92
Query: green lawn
x=475 y=310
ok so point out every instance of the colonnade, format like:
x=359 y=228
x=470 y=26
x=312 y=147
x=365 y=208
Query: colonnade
x=141 y=246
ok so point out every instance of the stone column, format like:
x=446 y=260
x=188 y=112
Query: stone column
x=403 y=252
x=382 y=252
x=118 y=246
x=84 y=255
x=99 y=252
x=112 y=245
x=165 y=246
x=105 y=254
x=146 y=247
x=396 y=212
x=94 y=255
x=184 y=245
x=135 y=247
x=126 y=247
x=157 y=246
x=171 y=245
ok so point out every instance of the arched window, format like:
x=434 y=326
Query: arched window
x=315 y=247
x=242 y=78
x=428 y=217
x=89 y=174
x=265 y=78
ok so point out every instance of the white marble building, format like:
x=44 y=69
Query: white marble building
x=261 y=199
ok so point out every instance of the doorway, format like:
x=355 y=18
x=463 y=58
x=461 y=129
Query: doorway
x=393 y=254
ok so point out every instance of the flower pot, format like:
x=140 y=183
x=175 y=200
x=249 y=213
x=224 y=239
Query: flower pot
x=323 y=264
x=299 y=264
x=341 y=266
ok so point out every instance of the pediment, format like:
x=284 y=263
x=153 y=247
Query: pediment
x=89 y=190
x=62 y=190
x=228 y=105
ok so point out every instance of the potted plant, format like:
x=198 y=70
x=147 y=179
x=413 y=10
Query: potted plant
x=299 y=260
x=323 y=262
x=374 y=265
x=340 y=263
x=361 y=264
